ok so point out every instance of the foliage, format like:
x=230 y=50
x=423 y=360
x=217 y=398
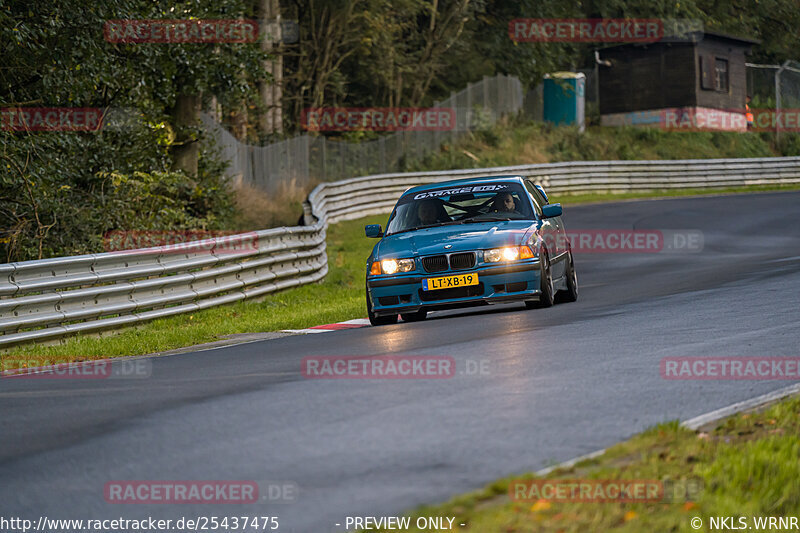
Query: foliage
x=55 y=187
x=414 y=52
x=60 y=191
x=517 y=141
x=71 y=190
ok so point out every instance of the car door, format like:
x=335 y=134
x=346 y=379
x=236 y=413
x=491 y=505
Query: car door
x=554 y=231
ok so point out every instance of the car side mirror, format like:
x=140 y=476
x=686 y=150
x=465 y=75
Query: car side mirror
x=552 y=210
x=373 y=231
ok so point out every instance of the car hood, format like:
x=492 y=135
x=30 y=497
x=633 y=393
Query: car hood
x=461 y=237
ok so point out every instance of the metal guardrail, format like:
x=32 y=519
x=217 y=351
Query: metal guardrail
x=51 y=299
x=54 y=298
x=357 y=197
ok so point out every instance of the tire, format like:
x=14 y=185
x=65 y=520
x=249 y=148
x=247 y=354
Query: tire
x=415 y=316
x=378 y=320
x=546 y=298
x=570 y=294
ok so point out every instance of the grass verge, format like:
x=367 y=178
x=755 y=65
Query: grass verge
x=340 y=296
x=516 y=141
x=747 y=466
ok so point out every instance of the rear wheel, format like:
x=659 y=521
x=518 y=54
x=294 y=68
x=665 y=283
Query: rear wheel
x=570 y=294
x=379 y=320
x=545 y=287
x=415 y=316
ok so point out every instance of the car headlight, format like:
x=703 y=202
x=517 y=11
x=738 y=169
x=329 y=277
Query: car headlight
x=509 y=253
x=392 y=266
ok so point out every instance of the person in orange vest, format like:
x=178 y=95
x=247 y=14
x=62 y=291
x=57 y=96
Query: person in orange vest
x=748 y=114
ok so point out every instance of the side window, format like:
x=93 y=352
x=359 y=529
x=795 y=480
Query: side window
x=536 y=198
x=706 y=70
x=539 y=196
x=721 y=74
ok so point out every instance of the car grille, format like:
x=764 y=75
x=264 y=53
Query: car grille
x=435 y=263
x=469 y=291
x=440 y=263
x=462 y=261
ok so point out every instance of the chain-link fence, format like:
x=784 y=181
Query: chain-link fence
x=775 y=97
x=306 y=158
x=774 y=86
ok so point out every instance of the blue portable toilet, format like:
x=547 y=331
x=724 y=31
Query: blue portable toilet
x=565 y=99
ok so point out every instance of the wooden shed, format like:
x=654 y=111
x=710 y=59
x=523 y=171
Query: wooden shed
x=698 y=81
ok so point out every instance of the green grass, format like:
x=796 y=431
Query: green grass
x=747 y=466
x=340 y=296
x=519 y=142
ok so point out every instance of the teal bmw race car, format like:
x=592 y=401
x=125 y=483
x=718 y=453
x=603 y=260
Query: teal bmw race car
x=469 y=242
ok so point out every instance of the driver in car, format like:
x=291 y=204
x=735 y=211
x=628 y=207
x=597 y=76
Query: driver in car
x=504 y=203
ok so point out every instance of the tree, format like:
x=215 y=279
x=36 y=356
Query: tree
x=54 y=186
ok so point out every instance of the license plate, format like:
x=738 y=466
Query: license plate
x=449 y=282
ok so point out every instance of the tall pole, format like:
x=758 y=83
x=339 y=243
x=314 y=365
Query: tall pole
x=597 y=63
x=778 y=99
x=270 y=91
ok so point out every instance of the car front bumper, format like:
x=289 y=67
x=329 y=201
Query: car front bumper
x=403 y=293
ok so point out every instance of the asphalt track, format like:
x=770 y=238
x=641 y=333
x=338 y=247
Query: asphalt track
x=560 y=382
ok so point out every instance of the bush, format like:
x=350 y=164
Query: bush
x=71 y=189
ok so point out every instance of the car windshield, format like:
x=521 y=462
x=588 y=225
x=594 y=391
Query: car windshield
x=460 y=205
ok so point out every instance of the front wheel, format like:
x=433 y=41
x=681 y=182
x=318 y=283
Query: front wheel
x=545 y=287
x=379 y=320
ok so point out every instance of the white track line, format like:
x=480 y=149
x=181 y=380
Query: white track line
x=696 y=422
x=354 y=323
x=572 y=462
x=713 y=416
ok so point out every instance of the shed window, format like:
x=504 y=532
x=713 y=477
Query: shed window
x=706 y=78
x=721 y=75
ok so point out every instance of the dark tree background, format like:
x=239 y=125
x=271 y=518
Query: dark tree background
x=61 y=192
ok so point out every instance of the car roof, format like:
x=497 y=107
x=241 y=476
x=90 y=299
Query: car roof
x=464 y=182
